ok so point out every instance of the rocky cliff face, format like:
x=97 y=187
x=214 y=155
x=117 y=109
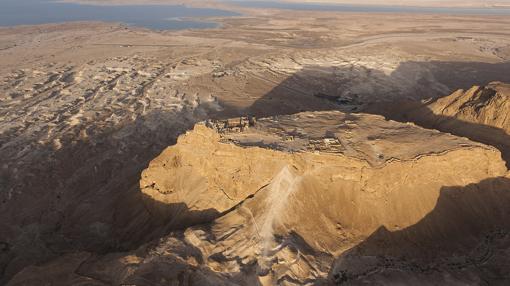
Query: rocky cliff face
x=480 y=114
x=210 y=172
x=488 y=105
x=318 y=198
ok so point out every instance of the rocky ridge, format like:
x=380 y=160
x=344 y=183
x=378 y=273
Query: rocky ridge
x=479 y=113
x=300 y=200
x=86 y=106
x=488 y=105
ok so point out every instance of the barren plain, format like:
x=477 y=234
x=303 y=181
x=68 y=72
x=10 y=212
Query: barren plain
x=320 y=191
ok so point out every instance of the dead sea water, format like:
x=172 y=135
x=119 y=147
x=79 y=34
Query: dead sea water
x=157 y=17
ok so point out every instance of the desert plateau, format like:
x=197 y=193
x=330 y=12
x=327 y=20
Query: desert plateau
x=254 y=143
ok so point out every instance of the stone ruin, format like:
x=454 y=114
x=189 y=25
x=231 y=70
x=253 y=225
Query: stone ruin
x=236 y=124
x=331 y=145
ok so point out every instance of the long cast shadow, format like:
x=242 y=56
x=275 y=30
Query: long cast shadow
x=419 y=114
x=468 y=231
x=350 y=89
x=85 y=196
x=319 y=88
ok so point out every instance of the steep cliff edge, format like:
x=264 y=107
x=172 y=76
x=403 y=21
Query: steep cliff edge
x=488 y=105
x=481 y=114
x=206 y=173
x=317 y=198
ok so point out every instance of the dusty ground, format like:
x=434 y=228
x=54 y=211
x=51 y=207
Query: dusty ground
x=85 y=106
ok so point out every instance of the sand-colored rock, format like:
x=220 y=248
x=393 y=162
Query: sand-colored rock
x=85 y=107
x=480 y=113
x=315 y=198
x=289 y=205
x=488 y=105
x=211 y=173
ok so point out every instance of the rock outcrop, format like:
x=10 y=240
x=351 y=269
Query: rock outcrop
x=206 y=173
x=488 y=105
x=480 y=114
x=315 y=198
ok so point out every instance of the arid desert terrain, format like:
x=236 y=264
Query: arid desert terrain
x=282 y=148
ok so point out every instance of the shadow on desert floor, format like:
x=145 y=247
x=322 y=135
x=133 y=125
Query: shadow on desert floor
x=420 y=115
x=468 y=230
x=85 y=196
x=318 y=88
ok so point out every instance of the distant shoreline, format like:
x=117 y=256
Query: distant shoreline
x=476 y=4
x=262 y=7
x=154 y=17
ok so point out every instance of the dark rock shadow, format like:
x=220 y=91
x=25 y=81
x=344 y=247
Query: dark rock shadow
x=457 y=75
x=419 y=114
x=467 y=231
x=316 y=88
x=319 y=88
x=85 y=196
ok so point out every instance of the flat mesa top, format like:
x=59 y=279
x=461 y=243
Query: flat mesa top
x=364 y=136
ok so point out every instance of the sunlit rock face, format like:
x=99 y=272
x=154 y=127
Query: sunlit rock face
x=86 y=107
x=479 y=113
x=313 y=198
